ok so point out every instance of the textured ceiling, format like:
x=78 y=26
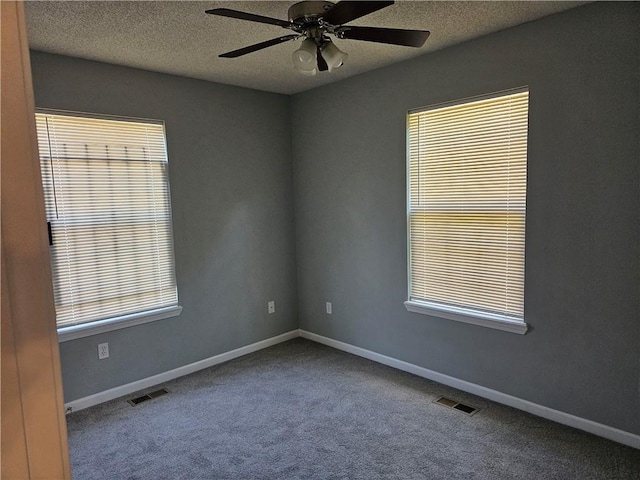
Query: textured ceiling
x=179 y=38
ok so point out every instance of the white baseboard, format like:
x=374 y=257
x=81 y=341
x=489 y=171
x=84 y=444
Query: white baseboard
x=122 y=390
x=590 y=426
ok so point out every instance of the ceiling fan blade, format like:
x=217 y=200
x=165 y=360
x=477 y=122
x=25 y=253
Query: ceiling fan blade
x=257 y=46
x=322 y=63
x=346 y=11
x=226 y=12
x=394 y=36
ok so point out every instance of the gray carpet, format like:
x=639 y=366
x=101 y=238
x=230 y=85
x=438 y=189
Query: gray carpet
x=300 y=410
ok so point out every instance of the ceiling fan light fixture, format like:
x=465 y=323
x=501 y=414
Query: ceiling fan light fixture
x=304 y=58
x=333 y=55
x=309 y=73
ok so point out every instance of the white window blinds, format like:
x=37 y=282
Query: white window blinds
x=467 y=189
x=107 y=201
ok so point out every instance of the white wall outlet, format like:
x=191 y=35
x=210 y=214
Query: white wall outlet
x=329 y=308
x=103 y=351
x=271 y=306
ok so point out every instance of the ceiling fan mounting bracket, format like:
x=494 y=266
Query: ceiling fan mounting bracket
x=308 y=12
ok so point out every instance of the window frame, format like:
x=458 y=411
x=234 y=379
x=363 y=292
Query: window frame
x=94 y=327
x=463 y=314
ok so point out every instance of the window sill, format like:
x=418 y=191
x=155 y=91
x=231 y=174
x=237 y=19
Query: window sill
x=100 y=326
x=461 y=315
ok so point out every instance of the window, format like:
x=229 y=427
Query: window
x=467 y=167
x=108 y=208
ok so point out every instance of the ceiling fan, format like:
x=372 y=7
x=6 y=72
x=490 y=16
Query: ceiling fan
x=315 y=21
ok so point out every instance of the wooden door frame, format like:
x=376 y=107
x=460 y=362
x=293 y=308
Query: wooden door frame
x=34 y=432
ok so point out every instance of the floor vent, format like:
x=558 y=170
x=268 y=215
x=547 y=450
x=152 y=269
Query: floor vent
x=148 y=396
x=447 y=402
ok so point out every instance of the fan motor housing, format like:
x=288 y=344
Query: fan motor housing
x=303 y=12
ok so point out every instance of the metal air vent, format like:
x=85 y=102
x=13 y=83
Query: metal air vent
x=148 y=396
x=447 y=402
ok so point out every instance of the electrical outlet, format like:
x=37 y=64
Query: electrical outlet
x=271 y=306
x=329 y=308
x=103 y=351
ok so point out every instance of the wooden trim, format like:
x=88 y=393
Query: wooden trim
x=32 y=387
x=15 y=462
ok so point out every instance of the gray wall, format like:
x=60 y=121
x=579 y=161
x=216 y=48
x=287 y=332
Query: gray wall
x=582 y=353
x=231 y=190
